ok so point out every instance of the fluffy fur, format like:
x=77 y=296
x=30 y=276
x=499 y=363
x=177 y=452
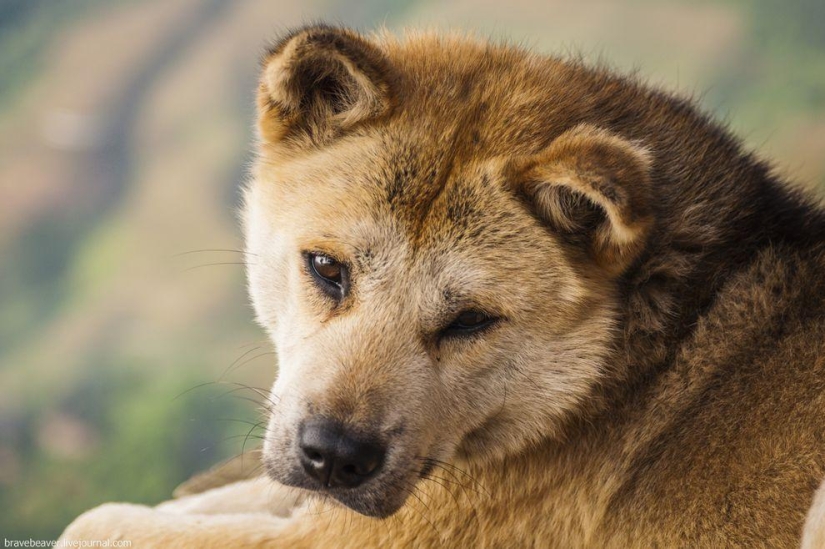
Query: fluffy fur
x=656 y=375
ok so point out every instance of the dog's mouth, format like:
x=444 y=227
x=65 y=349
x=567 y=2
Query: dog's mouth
x=381 y=496
x=428 y=465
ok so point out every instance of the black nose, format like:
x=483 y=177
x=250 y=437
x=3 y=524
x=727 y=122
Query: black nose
x=335 y=458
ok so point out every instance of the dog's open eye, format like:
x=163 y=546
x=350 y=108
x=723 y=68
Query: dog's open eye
x=468 y=322
x=329 y=273
x=327 y=268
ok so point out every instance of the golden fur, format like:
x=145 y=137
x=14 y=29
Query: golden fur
x=656 y=373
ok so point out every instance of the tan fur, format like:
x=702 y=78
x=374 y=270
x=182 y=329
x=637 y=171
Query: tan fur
x=657 y=375
x=813 y=536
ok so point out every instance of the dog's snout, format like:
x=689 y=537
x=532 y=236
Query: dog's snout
x=336 y=458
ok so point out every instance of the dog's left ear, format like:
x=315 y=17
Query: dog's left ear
x=593 y=187
x=319 y=82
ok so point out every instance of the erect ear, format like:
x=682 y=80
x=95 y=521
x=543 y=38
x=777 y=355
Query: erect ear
x=318 y=82
x=593 y=187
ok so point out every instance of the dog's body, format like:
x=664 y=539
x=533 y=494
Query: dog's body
x=555 y=307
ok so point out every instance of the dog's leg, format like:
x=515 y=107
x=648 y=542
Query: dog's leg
x=813 y=535
x=204 y=521
x=259 y=495
x=312 y=527
x=145 y=527
x=243 y=513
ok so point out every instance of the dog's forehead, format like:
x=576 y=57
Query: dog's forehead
x=435 y=218
x=397 y=198
x=434 y=199
x=427 y=228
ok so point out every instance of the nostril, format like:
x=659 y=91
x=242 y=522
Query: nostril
x=358 y=462
x=313 y=455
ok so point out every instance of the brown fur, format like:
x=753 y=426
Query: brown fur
x=657 y=377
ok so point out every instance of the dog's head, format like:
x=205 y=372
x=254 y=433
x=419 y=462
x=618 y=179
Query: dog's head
x=434 y=246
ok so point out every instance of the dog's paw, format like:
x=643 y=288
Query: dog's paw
x=146 y=527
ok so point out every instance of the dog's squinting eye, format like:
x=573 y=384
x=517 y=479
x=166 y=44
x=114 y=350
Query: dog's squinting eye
x=468 y=322
x=329 y=273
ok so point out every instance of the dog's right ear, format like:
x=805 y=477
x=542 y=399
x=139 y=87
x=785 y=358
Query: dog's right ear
x=319 y=82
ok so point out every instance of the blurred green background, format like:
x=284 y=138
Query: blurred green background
x=125 y=129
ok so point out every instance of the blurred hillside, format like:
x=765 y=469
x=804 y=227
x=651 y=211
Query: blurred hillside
x=124 y=134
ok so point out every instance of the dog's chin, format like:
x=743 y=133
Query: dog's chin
x=375 y=506
x=379 y=498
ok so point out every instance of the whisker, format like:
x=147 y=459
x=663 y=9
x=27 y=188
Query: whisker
x=406 y=488
x=236 y=420
x=463 y=487
x=233 y=437
x=446 y=487
x=261 y=392
x=246 y=439
x=189 y=390
x=261 y=406
x=252 y=350
x=438 y=464
x=216 y=250
x=259 y=342
x=215 y=264
x=444 y=465
x=247 y=361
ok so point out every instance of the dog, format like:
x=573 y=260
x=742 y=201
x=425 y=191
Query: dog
x=516 y=301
